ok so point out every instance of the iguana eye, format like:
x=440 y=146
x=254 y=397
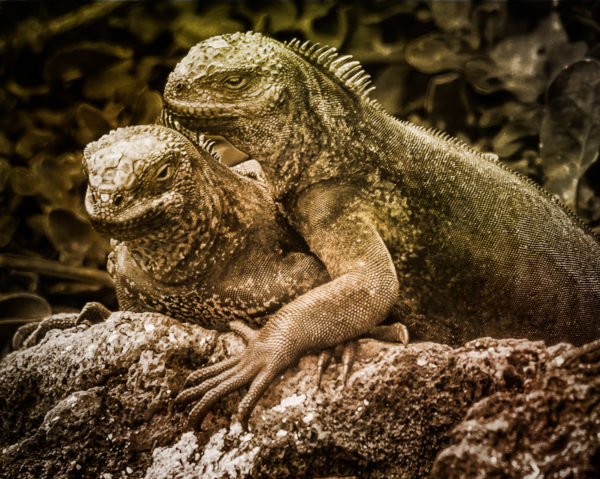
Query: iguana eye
x=235 y=82
x=164 y=172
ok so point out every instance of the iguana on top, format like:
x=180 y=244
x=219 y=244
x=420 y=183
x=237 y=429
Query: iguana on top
x=401 y=216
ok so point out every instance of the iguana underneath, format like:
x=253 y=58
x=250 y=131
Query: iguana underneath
x=400 y=215
x=193 y=239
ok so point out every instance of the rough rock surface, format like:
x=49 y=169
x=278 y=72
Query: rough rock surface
x=96 y=403
x=550 y=430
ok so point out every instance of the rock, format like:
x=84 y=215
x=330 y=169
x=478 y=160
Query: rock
x=97 y=403
x=551 y=430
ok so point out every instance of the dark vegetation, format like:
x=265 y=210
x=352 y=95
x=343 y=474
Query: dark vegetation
x=520 y=79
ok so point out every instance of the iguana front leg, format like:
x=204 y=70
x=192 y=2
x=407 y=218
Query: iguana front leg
x=362 y=292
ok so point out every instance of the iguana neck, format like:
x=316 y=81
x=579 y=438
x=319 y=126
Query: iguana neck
x=176 y=253
x=312 y=153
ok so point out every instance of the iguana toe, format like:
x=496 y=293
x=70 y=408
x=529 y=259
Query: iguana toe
x=217 y=388
x=348 y=354
x=257 y=388
x=22 y=333
x=391 y=333
x=196 y=392
x=348 y=357
x=210 y=371
x=243 y=330
x=324 y=360
x=93 y=313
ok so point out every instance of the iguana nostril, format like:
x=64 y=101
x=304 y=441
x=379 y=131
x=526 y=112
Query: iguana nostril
x=117 y=200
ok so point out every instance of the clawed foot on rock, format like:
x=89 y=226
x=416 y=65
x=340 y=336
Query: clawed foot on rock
x=392 y=333
x=31 y=334
x=259 y=365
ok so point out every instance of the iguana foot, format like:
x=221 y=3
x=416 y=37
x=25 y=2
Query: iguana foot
x=348 y=355
x=261 y=362
x=392 y=333
x=31 y=334
x=259 y=365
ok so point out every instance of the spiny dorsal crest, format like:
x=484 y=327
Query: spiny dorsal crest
x=208 y=145
x=344 y=69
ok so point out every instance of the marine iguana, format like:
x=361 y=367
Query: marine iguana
x=400 y=215
x=191 y=238
x=196 y=241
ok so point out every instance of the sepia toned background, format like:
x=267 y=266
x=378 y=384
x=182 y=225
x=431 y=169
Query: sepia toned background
x=520 y=79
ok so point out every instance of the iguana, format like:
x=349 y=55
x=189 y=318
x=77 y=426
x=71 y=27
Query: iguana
x=195 y=240
x=191 y=239
x=400 y=215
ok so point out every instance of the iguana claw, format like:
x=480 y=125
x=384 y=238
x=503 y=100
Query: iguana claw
x=218 y=380
x=348 y=355
x=393 y=333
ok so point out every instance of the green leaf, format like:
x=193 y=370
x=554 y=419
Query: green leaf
x=435 y=52
x=147 y=108
x=520 y=60
x=92 y=124
x=71 y=236
x=82 y=59
x=23 y=306
x=570 y=132
x=8 y=226
x=5 y=171
x=23 y=181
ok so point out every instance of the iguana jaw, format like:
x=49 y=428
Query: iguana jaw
x=130 y=222
x=245 y=125
x=228 y=154
x=203 y=113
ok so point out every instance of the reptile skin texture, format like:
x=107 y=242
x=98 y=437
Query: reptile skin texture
x=191 y=238
x=403 y=218
x=194 y=239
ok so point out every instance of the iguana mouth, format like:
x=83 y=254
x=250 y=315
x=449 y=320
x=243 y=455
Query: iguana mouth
x=129 y=224
x=192 y=128
x=203 y=114
x=195 y=124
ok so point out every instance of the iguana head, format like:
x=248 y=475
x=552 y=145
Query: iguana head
x=258 y=93
x=145 y=181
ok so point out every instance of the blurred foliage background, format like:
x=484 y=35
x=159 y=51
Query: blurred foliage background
x=520 y=79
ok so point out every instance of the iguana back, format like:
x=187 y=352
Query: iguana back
x=485 y=251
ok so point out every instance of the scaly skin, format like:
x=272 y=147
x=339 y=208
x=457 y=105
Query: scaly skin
x=400 y=216
x=192 y=239
x=195 y=240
